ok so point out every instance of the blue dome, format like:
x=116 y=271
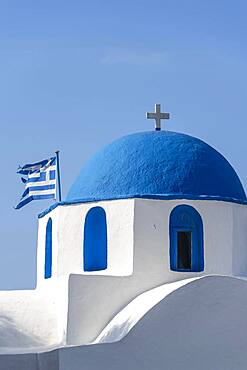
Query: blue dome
x=158 y=164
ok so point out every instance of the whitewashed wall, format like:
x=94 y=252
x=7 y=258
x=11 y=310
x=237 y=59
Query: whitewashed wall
x=73 y=307
x=34 y=319
x=67 y=249
x=239 y=239
x=138 y=255
x=54 y=215
x=151 y=237
x=152 y=262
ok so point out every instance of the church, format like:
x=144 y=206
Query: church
x=143 y=265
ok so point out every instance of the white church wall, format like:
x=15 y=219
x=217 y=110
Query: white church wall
x=147 y=221
x=28 y=320
x=67 y=239
x=60 y=290
x=240 y=239
x=119 y=216
x=34 y=319
x=67 y=254
x=151 y=264
x=95 y=300
x=151 y=230
x=200 y=326
x=54 y=215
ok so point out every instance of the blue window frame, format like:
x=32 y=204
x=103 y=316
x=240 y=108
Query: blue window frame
x=48 y=249
x=186 y=239
x=95 y=240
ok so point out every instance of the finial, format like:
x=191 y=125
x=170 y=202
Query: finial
x=158 y=116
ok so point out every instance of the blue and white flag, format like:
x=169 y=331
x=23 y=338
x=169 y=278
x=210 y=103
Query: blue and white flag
x=39 y=180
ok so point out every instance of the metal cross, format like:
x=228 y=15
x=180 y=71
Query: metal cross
x=158 y=116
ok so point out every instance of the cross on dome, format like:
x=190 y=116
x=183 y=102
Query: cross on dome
x=158 y=116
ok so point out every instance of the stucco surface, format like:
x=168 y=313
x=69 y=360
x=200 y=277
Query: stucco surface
x=129 y=316
x=33 y=320
x=138 y=256
x=200 y=326
x=221 y=242
x=28 y=320
x=68 y=238
x=155 y=164
x=74 y=307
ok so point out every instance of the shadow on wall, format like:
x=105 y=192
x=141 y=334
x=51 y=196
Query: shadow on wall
x=30 y=361
x=12 y=336
x=200 y=326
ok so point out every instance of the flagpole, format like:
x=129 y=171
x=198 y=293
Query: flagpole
x=58 y=177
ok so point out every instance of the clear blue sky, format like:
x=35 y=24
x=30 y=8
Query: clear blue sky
x=75 y=75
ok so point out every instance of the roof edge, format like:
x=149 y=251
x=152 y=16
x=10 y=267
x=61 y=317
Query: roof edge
x=146 y=196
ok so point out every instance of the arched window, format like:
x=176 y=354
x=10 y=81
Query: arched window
x=95 y=240
x=48 y=249
x=186 y=239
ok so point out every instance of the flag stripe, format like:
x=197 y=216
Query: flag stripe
x=45 y=196
x=51 y=168
x=36 y=177
x=24 y=202
x=40 y=182
x=52 y=175
x=41 y=171
x=28 y=168
x=34 y=197
x=36 y=192
x=42 y=187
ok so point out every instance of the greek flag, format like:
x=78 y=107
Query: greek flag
x=39 y=180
